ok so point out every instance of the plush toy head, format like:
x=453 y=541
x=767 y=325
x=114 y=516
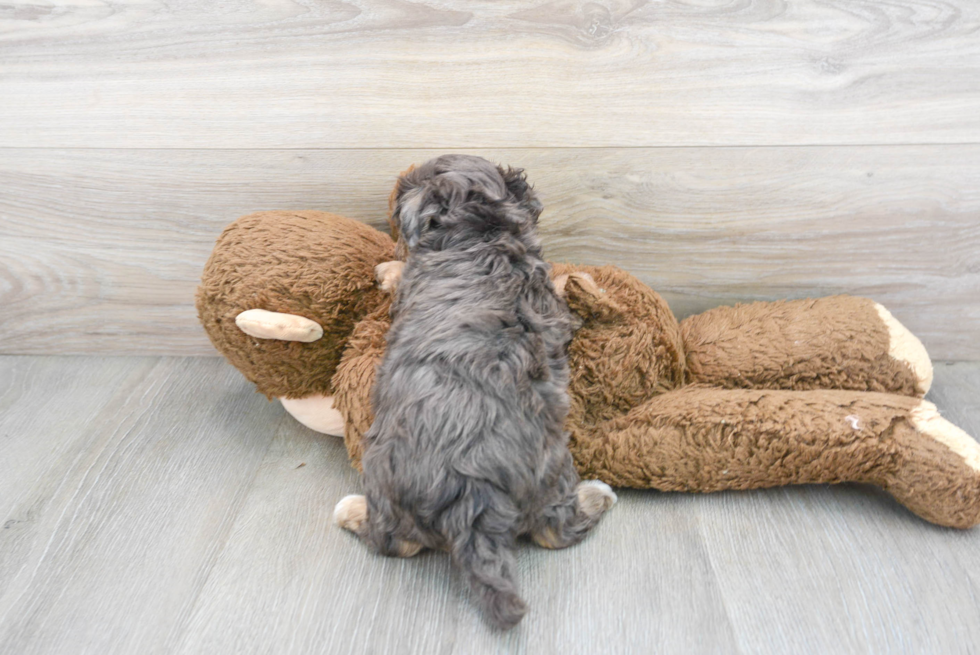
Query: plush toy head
x=306 y=264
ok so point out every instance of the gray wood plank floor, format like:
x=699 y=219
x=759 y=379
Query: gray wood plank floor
x=158 y=505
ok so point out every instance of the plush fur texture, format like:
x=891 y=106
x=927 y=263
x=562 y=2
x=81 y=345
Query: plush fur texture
x=665 y=405
x=312 y=264
x=653 y=403
x=698 y=439
x=467 y=450
x=723 y=344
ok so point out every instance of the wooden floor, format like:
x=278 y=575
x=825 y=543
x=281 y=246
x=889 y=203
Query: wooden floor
x=159 y=505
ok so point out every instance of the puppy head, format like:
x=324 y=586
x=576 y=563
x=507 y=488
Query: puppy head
x=456 y=194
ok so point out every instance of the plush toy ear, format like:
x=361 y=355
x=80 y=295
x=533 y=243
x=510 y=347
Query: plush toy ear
x=263 y=324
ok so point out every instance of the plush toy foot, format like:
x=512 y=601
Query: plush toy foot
x=903 y=346
x=938 y=472
x=705 y=439
x=317 y=413
x=839 y=342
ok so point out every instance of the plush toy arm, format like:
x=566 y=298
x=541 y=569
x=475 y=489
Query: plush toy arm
x=388 y=274
x=839 y=342
x=354 y=379
x=584 y=296
x=704 y=439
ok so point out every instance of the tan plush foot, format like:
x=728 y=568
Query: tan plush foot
x=927 y=420
x=595 y=497
x=388 y=274
x=938 y=469
x=351 y=512
x=317 y=413
x=906 y=347
x=584 y=279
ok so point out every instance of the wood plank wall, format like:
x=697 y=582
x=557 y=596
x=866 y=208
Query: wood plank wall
x=721 y=151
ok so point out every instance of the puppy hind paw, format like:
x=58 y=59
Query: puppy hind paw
x=595 y=497
x=405 y=548
x=351 y=513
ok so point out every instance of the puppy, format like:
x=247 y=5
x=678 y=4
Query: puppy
x=467 y=449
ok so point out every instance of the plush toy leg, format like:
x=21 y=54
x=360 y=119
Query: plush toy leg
x=944 y=466
x=840 y=342
x=703 y=439
x=317 y=413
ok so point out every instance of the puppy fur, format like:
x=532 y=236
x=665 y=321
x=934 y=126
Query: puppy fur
x=467 y=449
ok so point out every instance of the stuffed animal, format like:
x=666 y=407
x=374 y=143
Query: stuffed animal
x=760 y=395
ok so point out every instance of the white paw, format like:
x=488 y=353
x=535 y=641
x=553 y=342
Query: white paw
x=351 y=512
x=595 y=496
x=602 y=487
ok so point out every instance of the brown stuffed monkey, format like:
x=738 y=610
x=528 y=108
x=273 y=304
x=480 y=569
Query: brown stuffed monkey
x=760 y=395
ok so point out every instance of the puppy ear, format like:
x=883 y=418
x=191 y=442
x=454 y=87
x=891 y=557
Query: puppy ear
x=521 y=192
x=400 y=187
x=414 y=210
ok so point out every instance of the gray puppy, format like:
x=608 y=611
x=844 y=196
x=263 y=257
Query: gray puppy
x=467 y=450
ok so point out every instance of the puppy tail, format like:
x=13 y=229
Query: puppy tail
x=488 y=562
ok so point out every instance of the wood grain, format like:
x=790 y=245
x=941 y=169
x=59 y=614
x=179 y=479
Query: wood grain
x=842 y=570
x=445 y=74
x=46 y=407
x=158 y=505
x=846 y=569
x=307 y=585
x=113 y=518
x=101 y=250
